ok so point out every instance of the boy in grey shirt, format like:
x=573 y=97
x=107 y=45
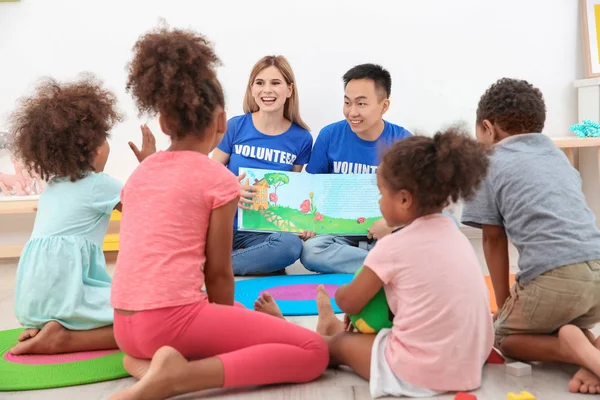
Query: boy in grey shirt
x=533 y=196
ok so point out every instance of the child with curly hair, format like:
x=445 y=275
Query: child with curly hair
x=176 y=236
x=442 y=331
x=62 y=287
x=532 y=196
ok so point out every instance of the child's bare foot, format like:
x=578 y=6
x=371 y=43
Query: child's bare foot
x=136 y=366
x=584 y=382
x=328 y=324
x=266 y=304
x=28 y=334
x=156 y=384
x=586 y=379
x=49 y=340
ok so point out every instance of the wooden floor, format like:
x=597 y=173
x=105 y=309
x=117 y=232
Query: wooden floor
x=547 y=382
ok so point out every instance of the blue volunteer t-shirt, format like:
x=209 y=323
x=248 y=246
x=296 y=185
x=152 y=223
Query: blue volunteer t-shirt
x=250 y=148
x=338 y=150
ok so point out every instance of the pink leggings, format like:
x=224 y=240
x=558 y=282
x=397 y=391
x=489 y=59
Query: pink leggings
x=255 y=348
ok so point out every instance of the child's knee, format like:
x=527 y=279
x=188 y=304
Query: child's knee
x=321 y=354
x=315 y=359
x=290 y=246
x=313 y=251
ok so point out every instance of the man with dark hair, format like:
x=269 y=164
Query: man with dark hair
x=380 y=77
x=353 y=146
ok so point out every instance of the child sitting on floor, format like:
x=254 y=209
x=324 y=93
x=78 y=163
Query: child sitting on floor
x=178 y=209
x=442 y=328
x=533 y=196
x=62 y=285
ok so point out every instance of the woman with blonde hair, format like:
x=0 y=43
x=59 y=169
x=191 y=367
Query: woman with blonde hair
x=269 y=135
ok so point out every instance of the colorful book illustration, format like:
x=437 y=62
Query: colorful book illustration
x=324 y=203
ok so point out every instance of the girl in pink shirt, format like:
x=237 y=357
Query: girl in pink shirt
x=442 y=331
x=178 y=209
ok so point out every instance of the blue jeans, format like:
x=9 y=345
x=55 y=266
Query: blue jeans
x=329 y=254
x=263 y=253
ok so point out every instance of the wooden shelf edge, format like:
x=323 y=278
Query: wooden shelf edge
x=14 y=251
x=18 y=206
x=30 y=206
x=11 y=250
x=110 y=246
x=565 y=142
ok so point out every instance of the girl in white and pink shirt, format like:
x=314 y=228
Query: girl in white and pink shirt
x=442 y=329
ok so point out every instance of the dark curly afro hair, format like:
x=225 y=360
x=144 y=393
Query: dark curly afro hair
x=173 y=73
x=447 y=167
x=515 y=106
x=57 y=130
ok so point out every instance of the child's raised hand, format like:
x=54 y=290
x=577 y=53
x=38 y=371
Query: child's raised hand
x=247 y=194
x=148 y=144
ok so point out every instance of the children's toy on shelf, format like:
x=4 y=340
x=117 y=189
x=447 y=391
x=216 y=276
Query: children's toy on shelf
x=21 y=183
x=15 y=179
x=3 y=140
x=588 y=128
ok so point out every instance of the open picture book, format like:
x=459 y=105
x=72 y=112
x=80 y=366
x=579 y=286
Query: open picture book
x=324 y=203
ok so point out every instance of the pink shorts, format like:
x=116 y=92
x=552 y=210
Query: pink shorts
x=255 y=348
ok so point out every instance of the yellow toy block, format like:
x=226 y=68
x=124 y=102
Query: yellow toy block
x=522 y=396
x=115 y=216
x=111 y=242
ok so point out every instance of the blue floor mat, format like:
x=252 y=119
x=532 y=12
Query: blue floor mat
x=294 y=294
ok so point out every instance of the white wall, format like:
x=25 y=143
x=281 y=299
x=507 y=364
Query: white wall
x=442 y=55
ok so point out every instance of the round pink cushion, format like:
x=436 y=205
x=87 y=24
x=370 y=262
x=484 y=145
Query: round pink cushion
x=38 y=359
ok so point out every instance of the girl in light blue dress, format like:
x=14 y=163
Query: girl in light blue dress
x=62 y=286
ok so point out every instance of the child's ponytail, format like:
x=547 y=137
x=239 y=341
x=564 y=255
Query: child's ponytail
x=173 y=73
x=461 y=162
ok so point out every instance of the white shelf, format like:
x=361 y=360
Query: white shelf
x=587 y=82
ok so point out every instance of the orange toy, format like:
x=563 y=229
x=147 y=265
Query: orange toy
x=488 y=282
